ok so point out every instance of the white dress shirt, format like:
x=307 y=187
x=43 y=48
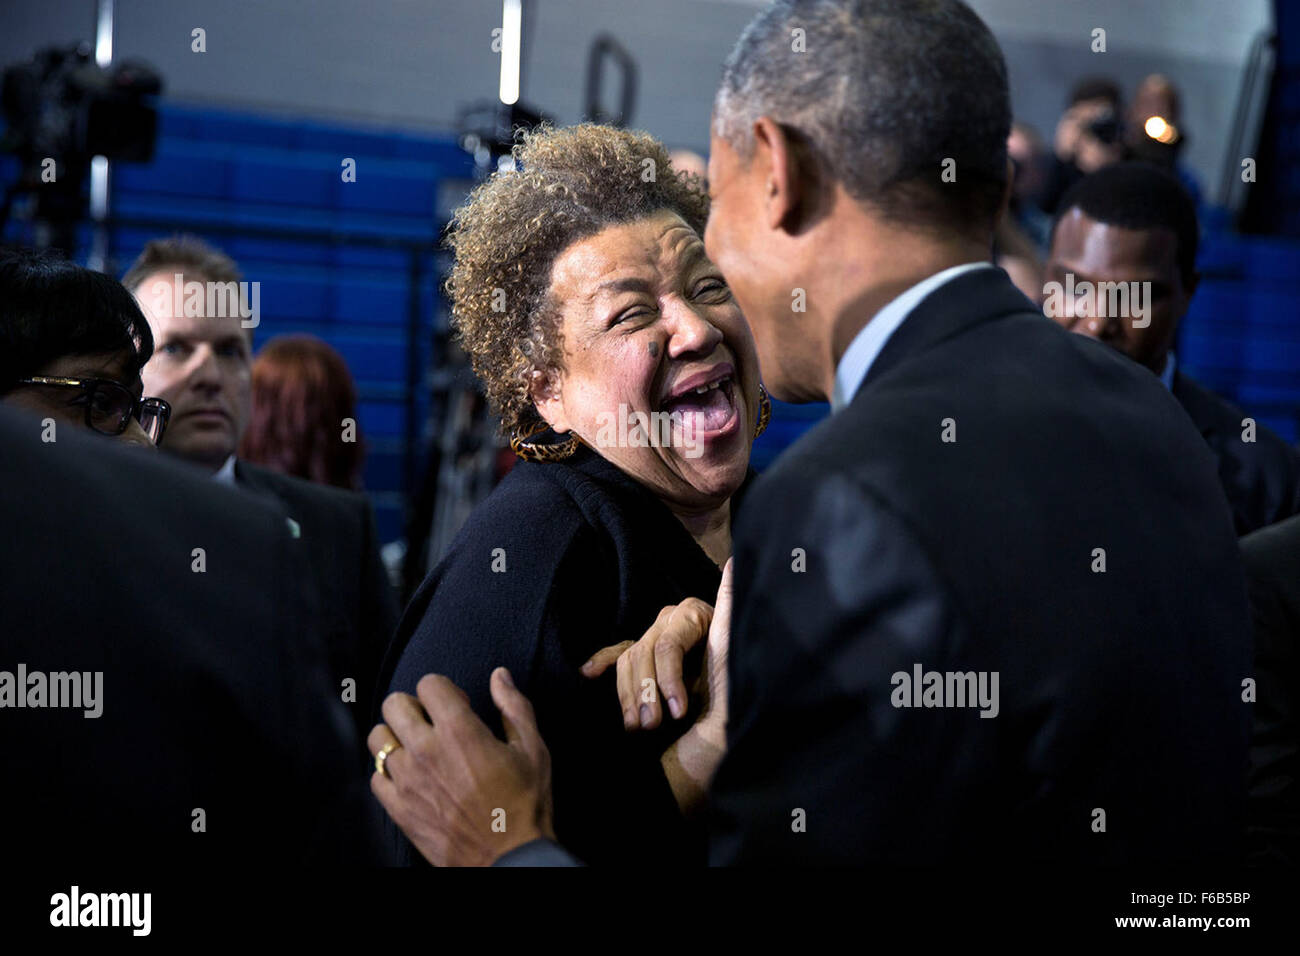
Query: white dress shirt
x=866 y=345
x=226 y=473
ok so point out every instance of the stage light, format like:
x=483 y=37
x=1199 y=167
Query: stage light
x=512 y=16
x=1161 y=130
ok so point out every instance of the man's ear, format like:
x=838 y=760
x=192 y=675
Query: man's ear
x=778 y=163
x=544 y=389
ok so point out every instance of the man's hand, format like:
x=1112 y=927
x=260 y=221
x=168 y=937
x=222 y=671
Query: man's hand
x=459 y=794
x=657 y=658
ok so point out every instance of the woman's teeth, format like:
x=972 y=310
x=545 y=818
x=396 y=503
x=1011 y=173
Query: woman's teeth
x=708 y=388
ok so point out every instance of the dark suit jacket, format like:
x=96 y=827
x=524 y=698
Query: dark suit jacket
x=214 y=692
x=562 y=559
x=1119 y=691
x=358 y=606
x=1260 y=478
x=1272 y=558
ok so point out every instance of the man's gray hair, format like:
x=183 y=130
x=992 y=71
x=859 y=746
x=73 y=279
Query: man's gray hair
x=883 y=92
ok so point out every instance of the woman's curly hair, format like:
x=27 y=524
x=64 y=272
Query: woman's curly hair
x=568 y=184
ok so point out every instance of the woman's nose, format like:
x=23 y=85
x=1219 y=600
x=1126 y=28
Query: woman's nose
x=689 y=331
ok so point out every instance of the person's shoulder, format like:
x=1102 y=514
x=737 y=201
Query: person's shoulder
x=540 y=516
x=1219 y=419
x=1266 y=551
x=548 y=495
x=293 y=488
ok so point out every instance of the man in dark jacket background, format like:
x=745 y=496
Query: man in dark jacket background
x=1134 y=224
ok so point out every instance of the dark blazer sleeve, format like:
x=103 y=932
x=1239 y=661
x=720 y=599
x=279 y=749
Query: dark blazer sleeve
x=819 y=763
x=538 y=853
x=378 y=609
x=1272 y=560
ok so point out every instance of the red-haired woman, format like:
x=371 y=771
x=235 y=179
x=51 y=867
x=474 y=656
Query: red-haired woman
x=304 y=413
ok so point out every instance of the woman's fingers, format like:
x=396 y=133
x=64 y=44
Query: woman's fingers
x=626 y=695
x=642 y=666
x=649 y=671
x=603 y=658
x=688 y=623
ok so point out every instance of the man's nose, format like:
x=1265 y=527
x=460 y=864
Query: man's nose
x=1105 y=328
x=205 y=371
x=689 y=331
x=1085 y=310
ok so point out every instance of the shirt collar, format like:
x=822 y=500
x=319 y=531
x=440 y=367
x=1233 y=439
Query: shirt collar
x=1171 y=366
x=226 y=473
x=866 y=345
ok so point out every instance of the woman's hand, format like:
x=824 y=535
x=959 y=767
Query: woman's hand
x=651 y=668
x=690 y=763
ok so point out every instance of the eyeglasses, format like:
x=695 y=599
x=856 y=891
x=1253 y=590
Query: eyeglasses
x=110 y=405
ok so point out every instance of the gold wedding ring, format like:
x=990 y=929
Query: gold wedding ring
x=382 y=757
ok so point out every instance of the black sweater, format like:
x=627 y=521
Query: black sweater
x=562 y=559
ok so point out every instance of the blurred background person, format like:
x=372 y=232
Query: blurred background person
x=304 y=414
x=72 y=343
x=689 y=162
x=1134 y=223
x=1272 y=559
x=201 y=365
x=1089 y=135
x=1155 y=131
x=1029 y=160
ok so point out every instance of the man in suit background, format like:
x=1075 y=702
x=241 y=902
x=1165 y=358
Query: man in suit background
x=1272 y=559
x=992 y=500
x=1135 y=223
x=201 y=365
x=218 y=737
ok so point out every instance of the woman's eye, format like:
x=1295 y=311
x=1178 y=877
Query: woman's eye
x=714 y=287
x=102 y=403
x=631 y=316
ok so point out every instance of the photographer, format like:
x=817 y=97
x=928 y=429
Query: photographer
x=1089 y=136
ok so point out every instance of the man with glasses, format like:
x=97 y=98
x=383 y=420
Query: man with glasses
x=73 y=344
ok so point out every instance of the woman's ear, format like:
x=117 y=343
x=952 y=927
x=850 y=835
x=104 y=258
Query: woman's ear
x=544 y=390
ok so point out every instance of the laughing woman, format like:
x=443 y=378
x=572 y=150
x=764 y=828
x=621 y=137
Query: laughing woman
x=622 y=367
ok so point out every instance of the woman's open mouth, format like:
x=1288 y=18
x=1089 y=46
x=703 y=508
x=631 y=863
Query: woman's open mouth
x=704 y=408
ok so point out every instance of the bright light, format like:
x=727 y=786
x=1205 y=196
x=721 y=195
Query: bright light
x=1160 y=131
x=104 y=33
x=512 y=17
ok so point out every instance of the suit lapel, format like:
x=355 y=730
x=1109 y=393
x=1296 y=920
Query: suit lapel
x=974 y=297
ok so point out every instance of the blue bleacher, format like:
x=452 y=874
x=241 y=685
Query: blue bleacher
x=1241 y=336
